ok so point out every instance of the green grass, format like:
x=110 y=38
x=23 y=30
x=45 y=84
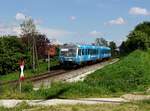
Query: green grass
x=13 y=92
x=130 y=74
x=134 y=106
x=29 y=73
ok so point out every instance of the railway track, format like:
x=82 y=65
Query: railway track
x=37 y=77
x=46 y=75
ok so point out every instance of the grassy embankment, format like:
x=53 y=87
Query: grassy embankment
x=134 y=106
x=130 y=74
x=43 y=67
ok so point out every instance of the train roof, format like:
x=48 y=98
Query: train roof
x=84 y=46
x=93 y=46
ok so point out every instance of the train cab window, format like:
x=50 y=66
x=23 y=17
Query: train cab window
x=79 y=52
x=68 y=52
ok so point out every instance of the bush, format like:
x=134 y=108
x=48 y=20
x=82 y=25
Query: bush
x=27 y=86
x=11 y=51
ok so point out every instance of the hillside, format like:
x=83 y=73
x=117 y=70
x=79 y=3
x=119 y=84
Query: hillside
x=130 y=74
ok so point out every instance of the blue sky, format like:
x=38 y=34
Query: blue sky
x=75 y=20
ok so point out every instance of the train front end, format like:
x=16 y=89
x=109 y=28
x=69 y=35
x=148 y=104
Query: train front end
x=67 y=55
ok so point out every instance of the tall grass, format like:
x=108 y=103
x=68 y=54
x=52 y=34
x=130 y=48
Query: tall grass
x=43 y=67
x=130 y=74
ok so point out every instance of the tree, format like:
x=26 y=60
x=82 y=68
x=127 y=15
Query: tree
x=42 y=43
x=143 y=27
x=11 y=50
x=101 y=42
x=113 y=47
x=28 y=31
x=139 y=38
x=28 y=35
x=123 y=48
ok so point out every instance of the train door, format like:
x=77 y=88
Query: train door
x=79 y=55
x=83 y=55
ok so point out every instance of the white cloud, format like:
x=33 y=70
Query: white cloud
x=61 y=35
x=16 y=30
x=38 y=21
x=9 y=29
x=55 y=42
x=20 y=16
x=72 y=18
x=54 y=33
x=95 y=33
x=118 y=21
x=139 y=11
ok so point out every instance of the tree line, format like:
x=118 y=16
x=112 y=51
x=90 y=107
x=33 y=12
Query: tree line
x=139 y=38
x=30 y=47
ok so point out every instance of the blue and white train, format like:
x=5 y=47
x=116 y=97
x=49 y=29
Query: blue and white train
x=81 y=54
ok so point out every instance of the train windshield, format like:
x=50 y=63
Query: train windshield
x=68 y=52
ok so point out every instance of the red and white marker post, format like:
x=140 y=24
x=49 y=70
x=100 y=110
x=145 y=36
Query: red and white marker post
x=21 y=78
x=21 y=74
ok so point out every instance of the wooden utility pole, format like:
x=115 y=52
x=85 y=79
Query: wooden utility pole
x=48 y=60
x=34 y=53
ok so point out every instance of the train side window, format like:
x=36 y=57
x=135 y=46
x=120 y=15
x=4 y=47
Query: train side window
x=86 y=52
x=90 y=51
x=102 y=52
x=83 y=53
x=94 y=51
x=79 y=52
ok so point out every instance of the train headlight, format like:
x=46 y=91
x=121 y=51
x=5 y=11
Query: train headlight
x=70 y=59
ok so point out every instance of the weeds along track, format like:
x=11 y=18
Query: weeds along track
x=38 y=77
x=50 y=74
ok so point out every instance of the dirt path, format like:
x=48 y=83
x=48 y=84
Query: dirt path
x=122 y=99
x=132 y=97
x=13 y=103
